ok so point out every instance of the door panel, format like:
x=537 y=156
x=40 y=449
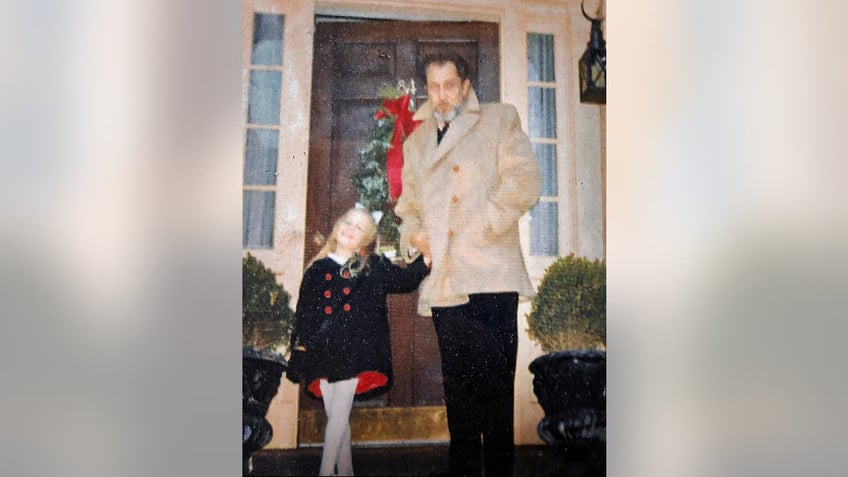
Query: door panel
x=352 y=61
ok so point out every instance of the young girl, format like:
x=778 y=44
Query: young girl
x=341 y=327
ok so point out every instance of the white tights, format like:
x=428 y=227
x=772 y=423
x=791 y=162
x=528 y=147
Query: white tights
x=338 y=401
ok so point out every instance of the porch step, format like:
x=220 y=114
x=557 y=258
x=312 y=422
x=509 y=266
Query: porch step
x=412 y=461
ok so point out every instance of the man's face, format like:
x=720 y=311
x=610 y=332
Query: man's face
x=445 y=90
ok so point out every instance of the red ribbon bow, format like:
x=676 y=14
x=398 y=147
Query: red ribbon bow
x=404 y=125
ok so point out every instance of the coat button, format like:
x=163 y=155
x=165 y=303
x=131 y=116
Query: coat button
x=346 y=274
x=456 y=168
x=327 y=294
x=346 y=291
x=347 y=307
x=454 y=199
x=328 y=310
x=450 y=233
x=328 y=277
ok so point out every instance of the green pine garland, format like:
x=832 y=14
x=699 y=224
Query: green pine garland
x=369 y=178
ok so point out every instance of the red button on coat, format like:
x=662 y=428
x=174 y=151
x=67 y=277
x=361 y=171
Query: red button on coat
x=347 y=307
x=346 y=274
x=327 y=294
x=328 y=277
x=346 y=291
x=328 y=310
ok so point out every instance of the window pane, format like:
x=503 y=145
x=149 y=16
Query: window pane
x=260 y=157
x=543 y=229
x=540 y=57
x=542 y=122
x=258 y=219
x=546 y=157
x=267 y=39
x=264 y=105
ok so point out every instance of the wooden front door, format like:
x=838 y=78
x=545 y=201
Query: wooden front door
x=352 y=60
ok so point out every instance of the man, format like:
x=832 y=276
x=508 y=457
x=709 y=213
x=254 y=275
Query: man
x=469 y=174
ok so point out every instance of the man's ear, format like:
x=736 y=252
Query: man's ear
x=466 y=84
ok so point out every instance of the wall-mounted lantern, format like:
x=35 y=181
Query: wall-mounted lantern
x=593 y=65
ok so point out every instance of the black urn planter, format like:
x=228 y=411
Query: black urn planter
x=261 y=374
x=571 y=388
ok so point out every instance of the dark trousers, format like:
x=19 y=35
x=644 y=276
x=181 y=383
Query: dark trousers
x=478 y=345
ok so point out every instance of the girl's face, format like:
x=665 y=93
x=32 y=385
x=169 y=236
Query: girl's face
x=351 y=233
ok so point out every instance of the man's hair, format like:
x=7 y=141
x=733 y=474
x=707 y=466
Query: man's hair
x=462 y=68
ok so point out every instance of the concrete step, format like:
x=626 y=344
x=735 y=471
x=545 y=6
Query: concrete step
x=419 y=460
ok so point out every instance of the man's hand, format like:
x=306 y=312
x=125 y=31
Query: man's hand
x=422 y=244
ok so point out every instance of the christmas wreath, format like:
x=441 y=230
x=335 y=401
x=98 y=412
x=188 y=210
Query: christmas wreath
x=377 y=179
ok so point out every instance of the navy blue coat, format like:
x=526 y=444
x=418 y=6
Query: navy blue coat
x=342 y=321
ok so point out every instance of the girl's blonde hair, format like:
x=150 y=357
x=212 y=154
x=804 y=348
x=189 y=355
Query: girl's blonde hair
x=367 y=239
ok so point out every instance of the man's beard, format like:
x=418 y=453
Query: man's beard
x=448 y=116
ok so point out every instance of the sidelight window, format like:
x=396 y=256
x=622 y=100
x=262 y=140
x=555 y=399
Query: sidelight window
x=542 y=128
x=262 y=131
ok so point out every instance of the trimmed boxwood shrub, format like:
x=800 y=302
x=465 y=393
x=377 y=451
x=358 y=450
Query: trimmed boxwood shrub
x=569 y=309
x=265 y=312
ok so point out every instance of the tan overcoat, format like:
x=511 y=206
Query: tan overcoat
x=468 y=193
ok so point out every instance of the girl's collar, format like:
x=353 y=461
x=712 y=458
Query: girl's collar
x=337 y=258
